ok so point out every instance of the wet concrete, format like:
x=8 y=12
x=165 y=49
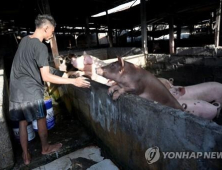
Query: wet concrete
x=68 y=130
x=89 y=158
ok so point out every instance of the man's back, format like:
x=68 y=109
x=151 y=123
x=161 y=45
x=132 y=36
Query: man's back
x=25 y=80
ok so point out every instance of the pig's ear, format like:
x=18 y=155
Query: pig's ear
x=84 y=53
x=120 y=60
x=182 y=90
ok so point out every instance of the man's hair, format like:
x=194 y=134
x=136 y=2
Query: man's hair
x=44 y=19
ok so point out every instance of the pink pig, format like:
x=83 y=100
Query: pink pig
x=204 y=99
x=201 y=108
x=80 y=62
x=87 y=65
x=209 y=92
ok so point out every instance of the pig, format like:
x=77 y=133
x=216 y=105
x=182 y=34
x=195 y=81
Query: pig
x=68 y=68
x=133 y=79
x=201 y=108
x=80 y=62
x=208 y=91
x=86 y=64
x=203 y=100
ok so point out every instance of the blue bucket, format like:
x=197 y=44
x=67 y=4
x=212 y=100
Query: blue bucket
x=50 y=119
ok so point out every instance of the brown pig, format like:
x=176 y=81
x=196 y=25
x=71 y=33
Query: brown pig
x=133 y=79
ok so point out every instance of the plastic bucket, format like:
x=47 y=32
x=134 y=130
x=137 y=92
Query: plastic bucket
x=50 y=120
x=30 y=131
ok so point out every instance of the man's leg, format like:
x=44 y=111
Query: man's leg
x=24 y=141
x=43 y=133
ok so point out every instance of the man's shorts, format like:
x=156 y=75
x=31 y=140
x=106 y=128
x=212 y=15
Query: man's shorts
x=27 y=110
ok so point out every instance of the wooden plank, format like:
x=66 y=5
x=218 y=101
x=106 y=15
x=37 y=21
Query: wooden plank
x=143 y=28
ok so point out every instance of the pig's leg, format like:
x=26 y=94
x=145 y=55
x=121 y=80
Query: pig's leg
x=111 y=83
x=117 y=93
x=113 y=88
x=200 y=108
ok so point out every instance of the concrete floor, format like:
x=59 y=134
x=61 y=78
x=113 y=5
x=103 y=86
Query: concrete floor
x=87 y=158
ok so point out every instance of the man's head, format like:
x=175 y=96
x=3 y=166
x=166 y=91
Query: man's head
x=47 y=24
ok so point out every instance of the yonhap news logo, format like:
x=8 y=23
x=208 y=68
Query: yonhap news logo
x=152 y=155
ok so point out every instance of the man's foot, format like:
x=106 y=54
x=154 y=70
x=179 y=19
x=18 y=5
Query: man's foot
x=26 y=158
x=51 y=148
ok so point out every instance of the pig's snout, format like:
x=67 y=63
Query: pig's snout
x=73 y=61
x=99 y=71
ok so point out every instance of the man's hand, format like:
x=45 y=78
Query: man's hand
x=48 y=77
x=80 y=82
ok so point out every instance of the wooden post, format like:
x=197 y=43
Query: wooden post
x=132 y=36
x=143 y=29
x=191 y=28
x=171 y=35
x=153 y=29
x=28 y=30
x=55 y=52
x=211 y=23
x=178 y=35
x=217 y=29
x=53 y=42
x=87 y=32
x=117 y=42
x=110 y=35
x=74 y=37
x=178 y=32
x=97 y=36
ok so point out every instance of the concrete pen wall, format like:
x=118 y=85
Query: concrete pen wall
x=131 y=125
x=6 y=150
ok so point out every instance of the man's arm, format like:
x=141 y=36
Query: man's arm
x=56 y=72
x=48 y=77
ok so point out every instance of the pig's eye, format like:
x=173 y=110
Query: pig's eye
x=112 y=65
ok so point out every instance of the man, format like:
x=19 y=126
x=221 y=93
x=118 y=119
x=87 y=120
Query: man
x=30 y=68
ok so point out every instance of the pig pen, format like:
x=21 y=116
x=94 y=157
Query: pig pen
x=131 y=128
x=138 y=133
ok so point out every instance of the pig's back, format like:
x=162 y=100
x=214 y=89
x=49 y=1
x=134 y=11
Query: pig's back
x=156 y=91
